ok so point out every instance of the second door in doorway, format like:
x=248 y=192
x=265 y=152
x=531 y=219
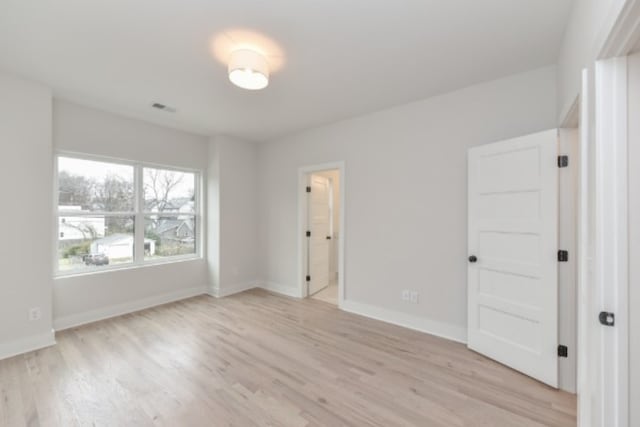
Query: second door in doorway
x=320 y=228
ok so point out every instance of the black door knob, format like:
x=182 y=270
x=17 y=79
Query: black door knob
x=473 y=258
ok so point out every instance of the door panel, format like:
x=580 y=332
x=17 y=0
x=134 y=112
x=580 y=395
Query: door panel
x=513 y=228
x=319 y=225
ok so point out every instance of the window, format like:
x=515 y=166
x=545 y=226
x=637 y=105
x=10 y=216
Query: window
x=114 y=214
x=169 y=213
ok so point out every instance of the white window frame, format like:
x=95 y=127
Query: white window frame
x=138 y=214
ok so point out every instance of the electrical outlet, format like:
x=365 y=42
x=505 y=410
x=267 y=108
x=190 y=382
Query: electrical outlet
x=406 y=295
x=35 y=313
x=414 y=297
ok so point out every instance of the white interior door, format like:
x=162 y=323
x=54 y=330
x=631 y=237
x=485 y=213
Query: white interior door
x=320 y=228
x=513 y=235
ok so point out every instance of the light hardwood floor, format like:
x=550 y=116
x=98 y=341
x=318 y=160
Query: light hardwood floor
x=328 y=294
x=261 y=359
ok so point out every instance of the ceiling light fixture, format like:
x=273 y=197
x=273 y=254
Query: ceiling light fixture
x=248 y=69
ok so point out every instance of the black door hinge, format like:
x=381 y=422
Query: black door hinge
x=308 y=189
x=563 y=161
x=563 y=256
x=606 y=318
x=563 y=351
x=308 y=278
x=308 y=234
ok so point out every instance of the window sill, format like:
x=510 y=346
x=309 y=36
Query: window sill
x=131 y=266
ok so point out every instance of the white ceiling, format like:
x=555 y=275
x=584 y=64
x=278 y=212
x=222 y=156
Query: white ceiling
x=338 y=58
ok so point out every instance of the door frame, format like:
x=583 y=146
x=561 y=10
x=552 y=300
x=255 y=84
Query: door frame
x=608 y=115
x=303 y=217
x=583 y=253
x=603 y=385
x=577 y=118
x=602 y=382
x=569 y=238
x=611 y=237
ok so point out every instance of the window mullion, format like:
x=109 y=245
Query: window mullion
x=138 y=247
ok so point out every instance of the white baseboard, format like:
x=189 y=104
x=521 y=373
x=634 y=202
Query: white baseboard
x=431 y=327
x=25 y=345
x=73 y=320
x=227 y=290
x=290 y=291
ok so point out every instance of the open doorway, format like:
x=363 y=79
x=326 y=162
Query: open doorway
x=323 y=222
x=321 y=215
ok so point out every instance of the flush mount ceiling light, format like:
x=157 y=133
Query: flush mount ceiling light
x=248 y=69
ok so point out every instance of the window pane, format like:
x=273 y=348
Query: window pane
x=87 y=243
x=167 y=191
x=169 y=235
x=90 y=186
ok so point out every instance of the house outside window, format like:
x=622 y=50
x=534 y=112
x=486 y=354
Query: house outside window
x=113 y=214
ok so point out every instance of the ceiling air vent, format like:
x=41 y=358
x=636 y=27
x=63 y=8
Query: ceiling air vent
x=163 y=107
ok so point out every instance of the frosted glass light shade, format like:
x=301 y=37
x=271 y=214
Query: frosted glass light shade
x=248 y=69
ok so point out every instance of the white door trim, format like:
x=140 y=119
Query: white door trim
x=303 y=173
x=611 y=237
x=609 y=119
x=625 y=31
x=585 y=258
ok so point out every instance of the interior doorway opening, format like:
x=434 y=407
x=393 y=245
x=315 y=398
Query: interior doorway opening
x=323 y=224
x=322 y=228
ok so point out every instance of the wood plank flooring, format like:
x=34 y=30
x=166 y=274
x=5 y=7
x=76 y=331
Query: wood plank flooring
x=258 y=359
x=328 y=294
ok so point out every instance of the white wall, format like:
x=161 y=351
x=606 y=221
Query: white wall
x=589 y=25
x=87 y=130
x=25 y=185
x=634 y=240
x=406 y=202
x=234 y=217
x=83 y=298
x=213 y=217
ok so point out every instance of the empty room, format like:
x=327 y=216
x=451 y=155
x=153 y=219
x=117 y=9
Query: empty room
x=320 y=213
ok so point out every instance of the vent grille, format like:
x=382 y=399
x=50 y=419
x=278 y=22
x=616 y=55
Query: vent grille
x=163 y=107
